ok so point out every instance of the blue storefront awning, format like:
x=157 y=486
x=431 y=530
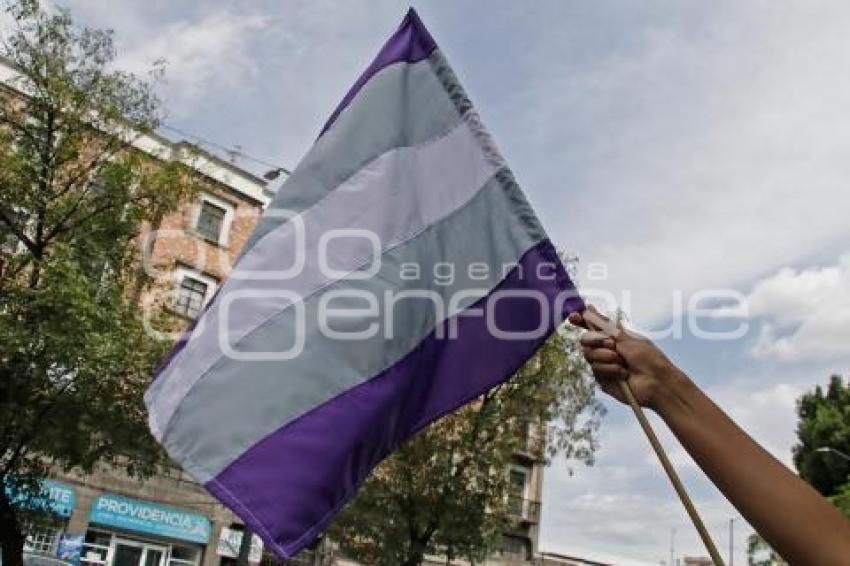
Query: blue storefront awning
x=151 y=518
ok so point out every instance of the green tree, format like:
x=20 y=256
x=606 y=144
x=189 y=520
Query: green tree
x=824 y=422
x=74 y=196
x=759 y=553
x=842 y=500
x=447 y=490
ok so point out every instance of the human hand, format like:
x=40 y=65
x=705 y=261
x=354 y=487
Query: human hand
x=615 y=353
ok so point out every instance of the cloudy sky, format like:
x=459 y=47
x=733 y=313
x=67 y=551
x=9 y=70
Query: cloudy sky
x=674 y=147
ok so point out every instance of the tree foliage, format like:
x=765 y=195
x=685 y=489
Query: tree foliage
x=824 y=422
x=446 y=491
x=842 y=499
x=759 y=553
x=74 y=196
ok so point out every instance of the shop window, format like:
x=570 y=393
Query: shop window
x=191 y=296
x=96 y=547
x=183 y=556
x=41 y=538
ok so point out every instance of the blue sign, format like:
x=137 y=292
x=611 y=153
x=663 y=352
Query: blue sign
x=70 y=548
x=55 y=496
x=151 y=518
x=60 y=496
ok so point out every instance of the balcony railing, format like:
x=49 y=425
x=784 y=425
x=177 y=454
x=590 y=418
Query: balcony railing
x=525 y=510
x=532 y=448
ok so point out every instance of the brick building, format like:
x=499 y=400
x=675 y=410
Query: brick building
x=168 y=520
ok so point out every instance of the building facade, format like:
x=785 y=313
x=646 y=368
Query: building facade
x=168 y=520
x=107 y=518
x=520 y=544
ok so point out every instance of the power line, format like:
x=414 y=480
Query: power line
x=233 y=151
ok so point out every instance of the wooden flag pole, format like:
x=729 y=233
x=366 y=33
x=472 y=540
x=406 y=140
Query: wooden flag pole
x=671 y=473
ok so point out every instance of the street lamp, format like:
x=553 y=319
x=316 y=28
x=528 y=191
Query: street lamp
x=827 y=449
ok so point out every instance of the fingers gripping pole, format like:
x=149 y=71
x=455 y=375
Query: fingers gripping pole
x=671 y=473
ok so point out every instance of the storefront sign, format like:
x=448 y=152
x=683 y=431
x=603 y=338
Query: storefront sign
x=147 y=517
x=55 y=496
x=61 y=496
x=70 y=548
x=230 y=541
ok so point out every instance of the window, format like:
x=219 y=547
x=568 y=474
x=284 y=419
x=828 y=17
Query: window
x=96 y=548
x=41 y=539
x=192 y=290
x=210 y=221
x=190 y=296
x=516 y=495
x=183 y=556
x=533 y=438
x=212 y=218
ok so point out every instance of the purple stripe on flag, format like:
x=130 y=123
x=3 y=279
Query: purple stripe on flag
x=411 y=43
x=289 y=486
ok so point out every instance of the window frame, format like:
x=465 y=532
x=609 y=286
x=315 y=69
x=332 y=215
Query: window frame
x=90 y=549
x=105 y=550
x=226 y=222
x=526 y=487
x=42 y=539
x=180 y=274
x=170 y=560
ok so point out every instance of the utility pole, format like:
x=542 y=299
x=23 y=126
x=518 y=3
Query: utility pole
x=732 y=541
x=672 y=544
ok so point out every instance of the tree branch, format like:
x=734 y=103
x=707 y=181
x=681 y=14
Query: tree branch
x=18 y=233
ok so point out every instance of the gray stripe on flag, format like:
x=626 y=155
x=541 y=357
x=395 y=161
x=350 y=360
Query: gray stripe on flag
x=402 y=106
x=238 y=403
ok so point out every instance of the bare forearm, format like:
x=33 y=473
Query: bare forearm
x=792 y=517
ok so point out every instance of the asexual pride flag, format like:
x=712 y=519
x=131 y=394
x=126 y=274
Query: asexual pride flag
x=339 y=333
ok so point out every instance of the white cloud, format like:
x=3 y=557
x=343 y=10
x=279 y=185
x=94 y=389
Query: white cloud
x=805 y=314
x=767 y=412
x=704 y=155
x=208 y=54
